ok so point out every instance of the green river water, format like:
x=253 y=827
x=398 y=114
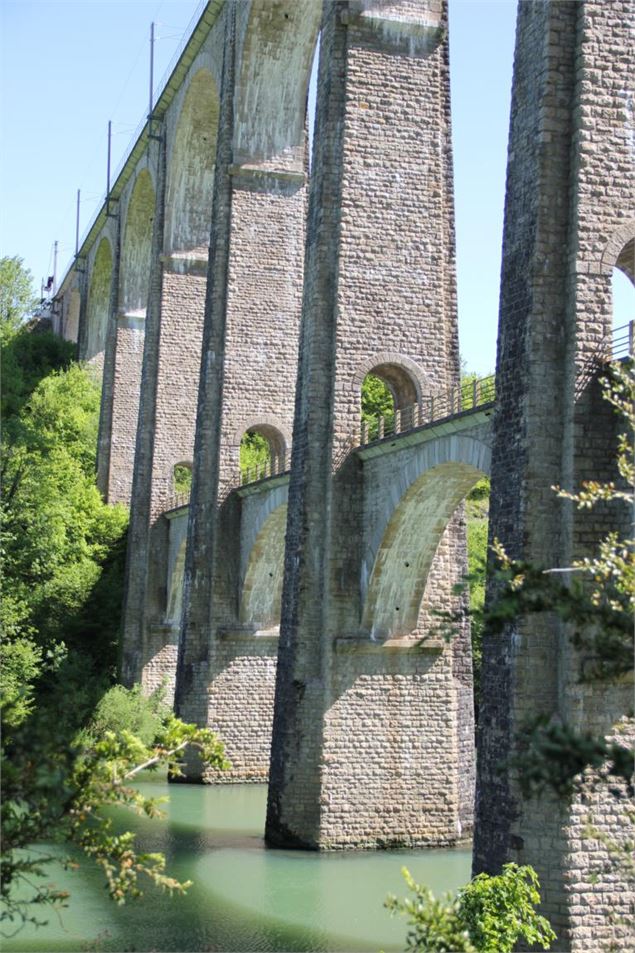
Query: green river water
x=245 y=896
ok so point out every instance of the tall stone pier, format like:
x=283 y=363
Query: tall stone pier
x=226 y=667
x=372 y=740
x=568 y=223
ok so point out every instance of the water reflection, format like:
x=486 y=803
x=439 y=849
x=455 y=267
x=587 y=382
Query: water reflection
x=245 y=897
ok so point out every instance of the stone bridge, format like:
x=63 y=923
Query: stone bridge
x=228 y=285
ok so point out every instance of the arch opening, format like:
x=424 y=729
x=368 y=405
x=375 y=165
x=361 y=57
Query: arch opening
x=271 y=106
x=191 y=171
x=409 y=544
x=182 y=479
x=99 y=300
x=623 y=301
x=136 y=248
x=263 y=452
x=261 y=597
x=388 y=398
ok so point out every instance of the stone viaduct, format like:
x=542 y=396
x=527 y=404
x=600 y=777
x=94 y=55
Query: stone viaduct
x=231 y=284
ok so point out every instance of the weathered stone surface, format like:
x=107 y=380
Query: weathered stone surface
x=569 y=190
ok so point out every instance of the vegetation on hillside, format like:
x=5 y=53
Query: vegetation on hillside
x=72 y=741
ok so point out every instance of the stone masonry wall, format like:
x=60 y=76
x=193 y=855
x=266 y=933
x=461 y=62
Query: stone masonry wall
x=379 y=277
x=249 y=362
x=569 y=188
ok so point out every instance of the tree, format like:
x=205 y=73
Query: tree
x=17 y=295
x=71 y=743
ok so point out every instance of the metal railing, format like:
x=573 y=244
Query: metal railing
x=274 y=466
x=622 y=341
x=468 y=395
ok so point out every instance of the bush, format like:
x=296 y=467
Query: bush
x=489 y=915
x=123 y=709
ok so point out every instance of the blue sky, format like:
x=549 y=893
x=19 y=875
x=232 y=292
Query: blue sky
x=68 y=67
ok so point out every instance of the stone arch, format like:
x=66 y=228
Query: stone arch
x=619 y=251
x=400 y=551
x=191 y=169
x=276 y=438
x=136 y=246
x=261 y=594
x=403 y=377
x=273 y=83
x=99 y=300
x=71 y=322
x=181 y=478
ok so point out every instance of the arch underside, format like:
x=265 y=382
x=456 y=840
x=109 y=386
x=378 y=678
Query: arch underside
x=175 y=596
x=99 y=300
x=191 y=171
x=261 y=596
x=136 y=249
x=411 y=541
x=273 y=83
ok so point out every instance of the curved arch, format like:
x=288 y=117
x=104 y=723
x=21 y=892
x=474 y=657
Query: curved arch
x=408 y=545
x=399 y=372
x=191 y=170
x=261 y=595
x=136 y=246
x=619 y=251
x=273 y=82
x=270 y=427
x=71 y=323
x=99 y=299
x=410 y=522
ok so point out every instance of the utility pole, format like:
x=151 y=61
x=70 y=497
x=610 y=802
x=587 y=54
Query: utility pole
x=151 y=70
x=55 y=268
x=77 y=225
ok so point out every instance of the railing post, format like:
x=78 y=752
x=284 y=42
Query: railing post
x=364 y=434
x=380 y=428
x=474 y=393
x=431 y=409
x=420 y=412
x=631 y=338
x=397 y=421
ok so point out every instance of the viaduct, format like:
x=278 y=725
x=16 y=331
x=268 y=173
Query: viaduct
x=228 y=284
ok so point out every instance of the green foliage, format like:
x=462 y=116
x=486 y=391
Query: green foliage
x=435 y=924
x=595 y=599
x=123 y=709
x=255 y=452
x=499 y=911
x=377 y=401
x=55 y=793
x=182 y=478
x=27 y=356
x=67 y=752
x=21 y=664
x=489 y=915
x=17 y=295
x=57 y=532
x=477 y=513
x=552 y=755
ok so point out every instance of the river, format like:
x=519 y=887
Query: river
x=245 y=896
